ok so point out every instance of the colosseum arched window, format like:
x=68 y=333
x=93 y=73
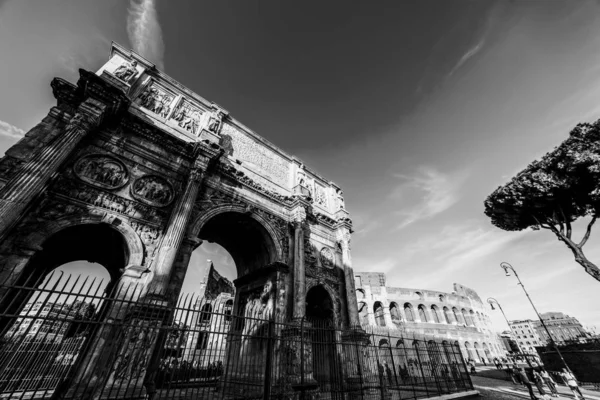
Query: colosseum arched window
x=395 y=313
x=408 y=311
x=360 y=294
x=472 y=318
x=447 y=315
x=456 y=314
x=363 y=313
x=378 y=313
x=205 y=314
x=435 y=314
x=422 y=313
x=465 y=316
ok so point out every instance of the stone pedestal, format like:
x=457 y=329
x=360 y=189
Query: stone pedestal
x=296 y=379
x=353 y=342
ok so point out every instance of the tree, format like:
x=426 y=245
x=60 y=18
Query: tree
x=553 y=192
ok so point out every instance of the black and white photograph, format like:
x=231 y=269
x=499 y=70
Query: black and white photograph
x=299 y=200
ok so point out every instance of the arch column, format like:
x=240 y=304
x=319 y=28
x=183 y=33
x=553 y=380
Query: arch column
x=344 y=242
x=18 y=192
x=176 y=229
x=371 y=315
x=388 y=317
x=299 y=305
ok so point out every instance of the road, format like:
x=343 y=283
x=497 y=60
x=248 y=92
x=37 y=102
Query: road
x=496 y=389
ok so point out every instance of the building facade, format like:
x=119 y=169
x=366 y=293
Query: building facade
x=459 y=316
x=562 y=327
x=210 y=321
x=49 y=321
x=526 y=336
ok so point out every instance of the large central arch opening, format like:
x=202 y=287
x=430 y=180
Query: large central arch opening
x=320 y=313
x=52 y=310
x=248 y=242
x=230 y=296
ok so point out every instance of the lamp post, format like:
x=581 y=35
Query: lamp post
x=506 y=267
x=491 y=301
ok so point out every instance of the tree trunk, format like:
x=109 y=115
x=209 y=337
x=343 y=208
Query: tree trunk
x=580 y=258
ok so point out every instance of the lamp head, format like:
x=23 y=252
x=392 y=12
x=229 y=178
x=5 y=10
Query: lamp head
x=492 y=304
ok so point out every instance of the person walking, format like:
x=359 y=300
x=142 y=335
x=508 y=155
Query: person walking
x=525 y=381
x=549 y=382
x=572 y=383
x=472 y=366
x=539 y=382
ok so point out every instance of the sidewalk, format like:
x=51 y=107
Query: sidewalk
x=520 y=390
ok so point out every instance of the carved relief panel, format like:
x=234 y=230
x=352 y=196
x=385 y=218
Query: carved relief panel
x=153 y=190
x=326 y=257
x=188 y=117
x=320 y=197
x=157 y=99
x=101 y=171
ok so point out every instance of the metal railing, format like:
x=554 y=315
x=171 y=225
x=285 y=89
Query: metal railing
x=68 y=337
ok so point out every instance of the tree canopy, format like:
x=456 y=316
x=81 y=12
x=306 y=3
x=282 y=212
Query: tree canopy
x=551 y=193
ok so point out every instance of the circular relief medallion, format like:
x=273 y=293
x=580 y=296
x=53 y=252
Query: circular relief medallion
x=102 y=171
x=326 y=256
x=152 y=190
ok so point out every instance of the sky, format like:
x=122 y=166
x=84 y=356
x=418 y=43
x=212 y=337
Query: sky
x=418 y=110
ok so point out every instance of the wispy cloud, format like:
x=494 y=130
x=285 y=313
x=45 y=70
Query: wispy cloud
x=144 y=31
x=468 y=55
x=456 y=248
x=11 y=131
x=439 y=191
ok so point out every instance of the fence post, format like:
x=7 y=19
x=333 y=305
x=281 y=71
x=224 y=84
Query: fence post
x=421 y=367
x=392 y=360
x=269 y=363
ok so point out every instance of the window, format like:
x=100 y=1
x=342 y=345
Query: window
x=422 y=313
x=228 y=309
x=408 y=311
x=357 y=281
x=202 y=342
x=378 y=311
x=205 y=313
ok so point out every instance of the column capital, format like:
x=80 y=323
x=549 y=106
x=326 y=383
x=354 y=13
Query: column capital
x=88 y=117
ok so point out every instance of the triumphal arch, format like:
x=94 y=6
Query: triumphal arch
x=132 y=170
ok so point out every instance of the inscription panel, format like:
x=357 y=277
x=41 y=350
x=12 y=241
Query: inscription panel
x=266 y=161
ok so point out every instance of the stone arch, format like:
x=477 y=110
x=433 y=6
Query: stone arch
x=465 y=316
x=135 y=248
x=204 y=217
x=360 y=294
x=363 y=313
x=384 y=343
x=409 y=312
x=435 y=314
x=378 y=313
x=472 y=318
x=456 y=314
x=324 y=310
x=447 y=317
x=395 y=313
x=423 y=313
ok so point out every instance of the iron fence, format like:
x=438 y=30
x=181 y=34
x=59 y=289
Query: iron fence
x=69 y=337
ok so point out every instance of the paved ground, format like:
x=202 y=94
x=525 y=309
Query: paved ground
x=504 y=390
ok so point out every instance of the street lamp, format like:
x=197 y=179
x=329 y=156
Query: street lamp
x=493 y=301
x=506 y=267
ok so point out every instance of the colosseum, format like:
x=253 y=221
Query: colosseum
x=459 y=316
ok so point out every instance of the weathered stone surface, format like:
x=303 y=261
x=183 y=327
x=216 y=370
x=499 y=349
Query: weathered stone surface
x=131 y=150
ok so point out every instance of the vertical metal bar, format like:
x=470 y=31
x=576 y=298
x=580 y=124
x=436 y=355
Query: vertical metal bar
x=392 y=360
x=421 y=366
x=302 y=354
x=269 y=363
